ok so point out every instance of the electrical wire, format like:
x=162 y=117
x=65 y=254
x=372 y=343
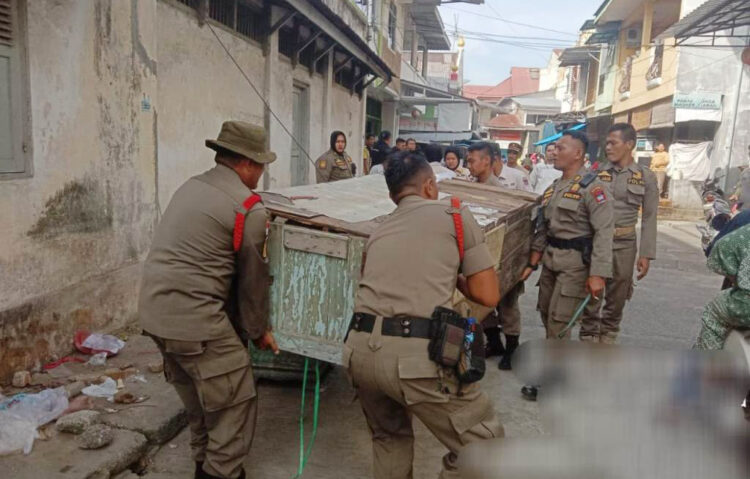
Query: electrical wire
x=260 y=95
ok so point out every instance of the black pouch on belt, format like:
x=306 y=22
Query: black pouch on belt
x=471 y=366
x=446 y=337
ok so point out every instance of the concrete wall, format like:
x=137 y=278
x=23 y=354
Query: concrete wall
x=75 y=232
x=721 y=70
x=123 y=95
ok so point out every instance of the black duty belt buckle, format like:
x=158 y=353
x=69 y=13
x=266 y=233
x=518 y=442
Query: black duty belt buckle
x=405 y=327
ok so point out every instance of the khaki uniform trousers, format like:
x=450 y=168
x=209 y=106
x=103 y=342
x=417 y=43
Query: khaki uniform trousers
x=214 y=379
x=510 y=312
x=602 y=321
x=509 y=316
x=560 y=294
x=395 y=380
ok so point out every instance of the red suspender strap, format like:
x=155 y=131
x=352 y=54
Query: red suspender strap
x=459 y=224
x=239 y=220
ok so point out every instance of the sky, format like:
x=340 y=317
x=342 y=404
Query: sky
x=488 y=30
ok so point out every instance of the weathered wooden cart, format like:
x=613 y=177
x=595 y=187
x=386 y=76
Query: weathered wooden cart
x=317 y=237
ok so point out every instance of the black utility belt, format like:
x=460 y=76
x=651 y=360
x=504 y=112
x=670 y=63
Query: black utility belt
x=403 y=326
x=581 y=243
x=455 y=342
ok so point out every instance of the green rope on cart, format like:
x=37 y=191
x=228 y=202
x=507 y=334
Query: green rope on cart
x=304 y=454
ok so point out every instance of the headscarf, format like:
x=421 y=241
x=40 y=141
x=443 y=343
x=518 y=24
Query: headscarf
x=334 y=137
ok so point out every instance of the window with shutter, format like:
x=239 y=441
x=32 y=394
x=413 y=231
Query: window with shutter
x=13 y=154
x=6 y=25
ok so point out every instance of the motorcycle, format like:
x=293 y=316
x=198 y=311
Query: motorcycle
x=716 y=211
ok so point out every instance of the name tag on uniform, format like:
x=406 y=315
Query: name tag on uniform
x=341 y=163
x=635 y=181
x=571 y=195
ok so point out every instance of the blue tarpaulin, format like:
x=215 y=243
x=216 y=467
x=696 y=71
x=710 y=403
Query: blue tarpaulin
x=557 y=136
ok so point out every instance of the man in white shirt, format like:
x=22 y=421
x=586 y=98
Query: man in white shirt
x=544 y=172
x=509 y=177
x=514 y=152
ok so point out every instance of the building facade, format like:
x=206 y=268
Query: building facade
x=109 y=106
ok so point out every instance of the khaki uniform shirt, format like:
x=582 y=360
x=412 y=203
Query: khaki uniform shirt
x=333 y=167
x=491 y=180
x=194 y=286
x=659 y=161
x=396 y=281
x=571 y=211
x=633 y=188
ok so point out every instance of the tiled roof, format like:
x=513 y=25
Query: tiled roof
x=519 y=82
x=505 y=120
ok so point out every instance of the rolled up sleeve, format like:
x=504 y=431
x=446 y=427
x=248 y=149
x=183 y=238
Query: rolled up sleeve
x=477 y=255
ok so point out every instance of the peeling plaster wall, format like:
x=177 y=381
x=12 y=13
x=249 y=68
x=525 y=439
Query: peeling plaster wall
x=74 y=233
x=123 y=95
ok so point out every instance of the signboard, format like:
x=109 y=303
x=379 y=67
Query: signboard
x=699 y=100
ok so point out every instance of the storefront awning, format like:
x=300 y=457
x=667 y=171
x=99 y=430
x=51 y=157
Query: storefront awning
x=557 y=136
x=714 y=16
x=317 y=12
x=579 y=55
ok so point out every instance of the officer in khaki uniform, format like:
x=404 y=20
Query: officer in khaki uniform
x=386 y=349
x=514 y=153
x=508 y=314
x=632 y=188
x=573 y=240
x=335 y=164
x=204 y=294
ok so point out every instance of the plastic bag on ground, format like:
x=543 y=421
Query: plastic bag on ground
x=107 y=389
x=98 y=359
x=104 y=342
x=22 y=414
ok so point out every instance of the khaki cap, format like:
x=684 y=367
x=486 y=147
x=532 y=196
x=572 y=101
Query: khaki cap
x=244 y=139
x=515 y=147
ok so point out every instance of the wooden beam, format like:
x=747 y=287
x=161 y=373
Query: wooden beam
x=311 y=39
x=285 y=18
x=341 y=67
x=325 y=52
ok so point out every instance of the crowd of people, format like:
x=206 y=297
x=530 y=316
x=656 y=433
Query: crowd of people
x=205 y=284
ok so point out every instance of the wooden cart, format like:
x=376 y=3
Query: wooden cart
x=317 y=237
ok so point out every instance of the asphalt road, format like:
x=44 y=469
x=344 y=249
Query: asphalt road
x=663 y=314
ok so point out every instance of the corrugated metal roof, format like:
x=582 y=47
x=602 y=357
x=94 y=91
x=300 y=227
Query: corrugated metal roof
x=712 y=16
x=579 y=55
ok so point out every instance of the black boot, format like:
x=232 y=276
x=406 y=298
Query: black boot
x=201 y=474
x=494 y=346
x=511 y=343
x=530 y=392
x=198 y=470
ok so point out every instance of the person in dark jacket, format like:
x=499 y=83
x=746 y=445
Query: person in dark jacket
x=382 y=148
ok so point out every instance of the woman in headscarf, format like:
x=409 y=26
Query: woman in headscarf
x=730 y=310
x=335 y=164
x=452 y=161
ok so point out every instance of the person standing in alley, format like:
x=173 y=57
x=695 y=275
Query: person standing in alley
x=659 y=163
x=367 y=153
x=632 y=188
x=573 y=241
x=386 y=350
x=381 y=149
x=335 y=164
x=204 y=296
x=514 y=153
x=479 y=162
x=545 y=173
x=507 y=317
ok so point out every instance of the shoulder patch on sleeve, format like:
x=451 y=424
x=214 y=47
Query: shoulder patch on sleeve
x=599 y=195
x=322 y=164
